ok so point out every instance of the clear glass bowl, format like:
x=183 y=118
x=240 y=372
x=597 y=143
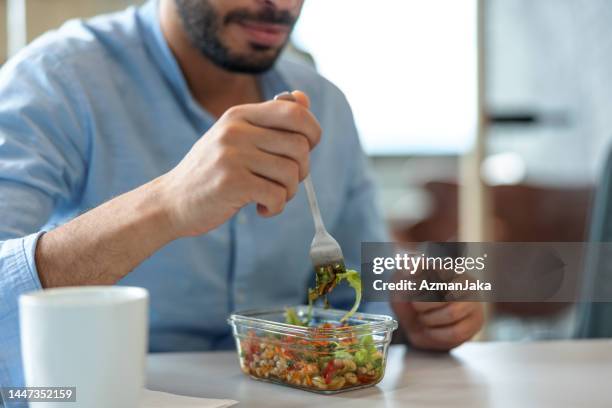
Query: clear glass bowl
x=325 y=358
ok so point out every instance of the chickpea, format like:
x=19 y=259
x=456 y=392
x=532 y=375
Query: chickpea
x=311 y=369
x=337 y=383
x=281 y=365
x=319 y=382
x=349 y=365
x=350 y=378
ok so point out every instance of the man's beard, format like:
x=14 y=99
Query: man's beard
x=202 y=25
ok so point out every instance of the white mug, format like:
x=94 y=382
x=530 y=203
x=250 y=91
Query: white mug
x=91 y=338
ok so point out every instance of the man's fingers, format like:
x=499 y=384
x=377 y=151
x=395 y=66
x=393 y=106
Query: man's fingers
x=294 y=146
x=447 y=315
x=281 y=115
x=428 y=306
x=301 y=98
x=270 y=196
x=278 y=169
x=406 y=315
x=427 y=330
x=296 y=118
x=455 y=334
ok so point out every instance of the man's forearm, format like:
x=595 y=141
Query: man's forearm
x=256 y=153
x=106 y=243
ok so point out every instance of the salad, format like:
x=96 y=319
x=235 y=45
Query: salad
x=317 y=363
x=324 y=354
x=327 y=277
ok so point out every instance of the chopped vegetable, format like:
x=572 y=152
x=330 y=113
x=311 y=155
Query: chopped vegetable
x=291 y=317
x=320 y=363
x=327 y=278
x=354 y=280
x=324 y=365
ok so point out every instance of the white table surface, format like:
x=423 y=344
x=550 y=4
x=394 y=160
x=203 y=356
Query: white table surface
x=514 y=375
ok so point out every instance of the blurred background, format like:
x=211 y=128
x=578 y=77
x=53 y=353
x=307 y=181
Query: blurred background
x=484 y=119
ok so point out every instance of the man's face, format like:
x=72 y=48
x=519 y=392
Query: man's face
x=239 y=35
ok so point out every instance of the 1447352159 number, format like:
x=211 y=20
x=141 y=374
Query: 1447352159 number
x=38 y=394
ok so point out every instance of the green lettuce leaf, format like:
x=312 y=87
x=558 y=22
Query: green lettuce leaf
x=291 y=317
x=352 y=277
x=354 y=280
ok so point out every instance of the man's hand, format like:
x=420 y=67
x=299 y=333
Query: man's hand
x=255 y=153
x=439 y=325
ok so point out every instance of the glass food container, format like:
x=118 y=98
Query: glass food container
x=326 y=357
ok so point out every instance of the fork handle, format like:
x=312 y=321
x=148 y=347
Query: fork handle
x=310 y=191
x=314 y=205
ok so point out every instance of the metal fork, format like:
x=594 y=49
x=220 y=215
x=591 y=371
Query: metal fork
x=324 y=249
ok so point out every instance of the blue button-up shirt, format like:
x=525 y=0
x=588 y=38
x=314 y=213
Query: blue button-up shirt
x=97 y=108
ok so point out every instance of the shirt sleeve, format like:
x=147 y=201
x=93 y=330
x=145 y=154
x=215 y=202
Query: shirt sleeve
x=41 y=168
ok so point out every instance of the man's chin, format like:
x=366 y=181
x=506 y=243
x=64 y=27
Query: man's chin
x=255 y=62
x=249 y=66
x=248 y=58
x=263 y=48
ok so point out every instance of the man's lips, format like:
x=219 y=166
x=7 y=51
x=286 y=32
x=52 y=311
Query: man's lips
x=270 y=35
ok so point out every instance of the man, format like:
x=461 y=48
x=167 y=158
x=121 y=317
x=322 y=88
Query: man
x=146 y=146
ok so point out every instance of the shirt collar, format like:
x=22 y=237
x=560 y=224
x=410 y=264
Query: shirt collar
x=155 y=42
x=271 y=82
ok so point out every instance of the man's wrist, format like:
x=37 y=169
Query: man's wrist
x=103 y=245
x=156 y=210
